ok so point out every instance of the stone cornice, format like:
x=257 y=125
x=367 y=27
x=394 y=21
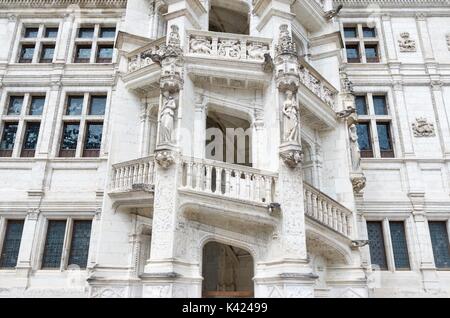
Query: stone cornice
x=62 y=3
x=394 y=3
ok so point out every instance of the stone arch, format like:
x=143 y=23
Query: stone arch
x=335 y=251
x=229 y=16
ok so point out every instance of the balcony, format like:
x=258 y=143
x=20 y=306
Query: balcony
x=132 y=183
x=326 y=211
x=226 y=59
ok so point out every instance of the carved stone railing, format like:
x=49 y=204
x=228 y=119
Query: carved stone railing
x=133 y=175
x=135 y=59
x=317 y=84
x=327 y=211
x=227 y=46
x=229 y=181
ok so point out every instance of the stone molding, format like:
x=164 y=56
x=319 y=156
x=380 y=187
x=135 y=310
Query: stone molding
x=63 y=3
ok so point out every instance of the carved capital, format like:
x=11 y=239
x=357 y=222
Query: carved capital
x=33 y=214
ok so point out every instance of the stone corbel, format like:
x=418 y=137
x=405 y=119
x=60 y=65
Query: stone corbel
x=165 y=158
x=358 y=182
x=291 y=154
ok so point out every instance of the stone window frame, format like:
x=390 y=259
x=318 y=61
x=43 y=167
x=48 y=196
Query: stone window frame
x=361 y=41
x=40 y=239
x=23 y=118
x=373 y=119
x=95 y=42
x=39 y=42
x=4 y=218
x=82 y=119
x=389 y=251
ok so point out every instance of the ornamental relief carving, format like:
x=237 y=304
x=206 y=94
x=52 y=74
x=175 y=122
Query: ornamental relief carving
x=448 y=41
x=423 y=128
x=406 y=43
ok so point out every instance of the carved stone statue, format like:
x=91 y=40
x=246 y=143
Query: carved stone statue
x=291 y=119
x=167 y=118
x=354 y=149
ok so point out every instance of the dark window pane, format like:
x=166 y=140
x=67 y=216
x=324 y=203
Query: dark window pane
x=74 y=105
x=372 y=54
x=26 y=54
x=54 y=244
x=107 y=32
x=69 y=140
x=79 y=247
x=399 y=245
x=369 y=32
x=350 y=32
x=104 y=54
x=86 y=33
x=384 y=137
x=47 y=53
x=93 y=140
x=97 y=106
x=376 y=243
x=15 y=105
x=37 y=105
x=31 y=33
x=83 y=54
x=51 y=32
x=361 y=105
x=380 y=105
x=8 y=139
x=441 y=246
x=11 y=244
x=31 y=136
x=364 y=140
x=353 y=54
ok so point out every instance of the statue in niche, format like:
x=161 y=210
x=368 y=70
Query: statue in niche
x=354 y=149
x=291 y=118
x=167 y=117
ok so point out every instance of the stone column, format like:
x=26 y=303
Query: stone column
x=24 y=265
x=288 y=273
x=201 y=113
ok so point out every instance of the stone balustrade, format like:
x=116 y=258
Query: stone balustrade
x=137 y=59
x=230 y=181
x=227 y=46
x=317 y=84
x=327 y=211
x=128 y=176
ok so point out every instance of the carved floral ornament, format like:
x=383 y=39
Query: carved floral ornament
x=423 y=128
x=406 y=43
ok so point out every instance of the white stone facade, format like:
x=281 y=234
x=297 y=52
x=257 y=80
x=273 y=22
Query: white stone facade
x=292 y=220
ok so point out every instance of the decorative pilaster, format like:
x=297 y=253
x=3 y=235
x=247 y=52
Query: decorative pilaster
x=24 y=265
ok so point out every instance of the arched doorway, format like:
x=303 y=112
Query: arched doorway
x=227 y=272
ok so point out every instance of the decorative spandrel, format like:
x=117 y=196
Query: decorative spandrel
x=376 y=243
x=54 y=244
x=11 y=244
x=79 y=247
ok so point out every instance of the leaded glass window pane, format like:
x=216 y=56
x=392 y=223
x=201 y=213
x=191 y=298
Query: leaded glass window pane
x=74 y=105
x=86 y=33
x=31 y=136
x=364 y=136
x=70 y=136
x=385 y=139
x=37 y=105
x=26 y=54
x=399 y=245
x=353 y=53
x=83 y=54
x=93 y=136
x=107 y=32
x=369 y=32
x=9 y=136
x=51 y=32
x=376 y=243
x=97 y=105
x=104 y=54
x=47 y=54
x=54 y=244
x=11 y=244
x=79 y=247
x=350 y=32
x=441 y=246
x=380 y=105
x=361 y=105
x=31 y=33
x=15 y=105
